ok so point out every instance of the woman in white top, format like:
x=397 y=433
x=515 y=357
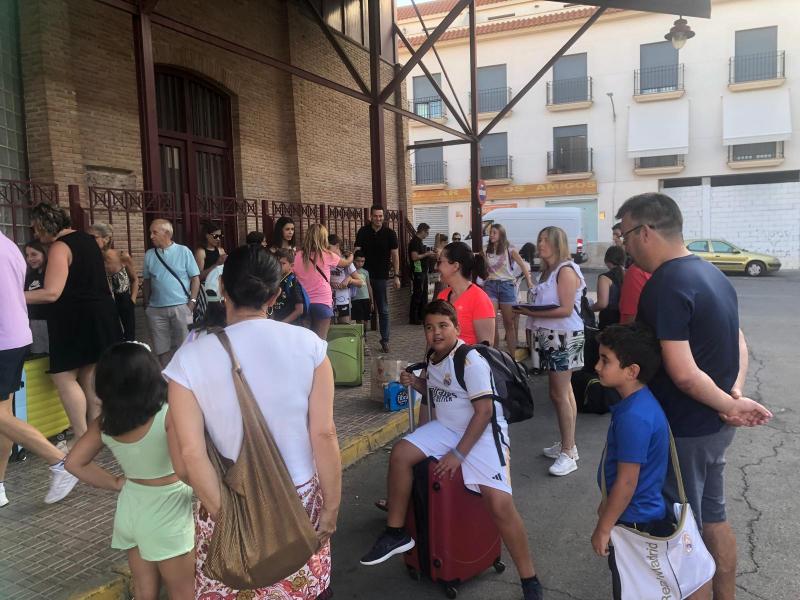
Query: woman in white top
x=501 y=284
x=560 y=338
x=290 y=375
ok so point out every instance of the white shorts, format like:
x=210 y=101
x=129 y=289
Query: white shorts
x=482 y=465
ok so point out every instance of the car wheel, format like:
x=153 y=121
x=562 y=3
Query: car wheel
x=755 y=268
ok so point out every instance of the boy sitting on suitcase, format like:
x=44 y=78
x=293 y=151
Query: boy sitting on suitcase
x=638 y=440
x=461 y=436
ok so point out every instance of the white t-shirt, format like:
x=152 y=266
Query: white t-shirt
x=339 y=275
x=278 y=362
x=452 y=403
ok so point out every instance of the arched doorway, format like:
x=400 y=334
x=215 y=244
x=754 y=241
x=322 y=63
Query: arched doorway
x=195 y=147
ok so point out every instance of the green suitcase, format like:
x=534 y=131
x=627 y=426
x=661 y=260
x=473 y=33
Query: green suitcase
x=346 y=353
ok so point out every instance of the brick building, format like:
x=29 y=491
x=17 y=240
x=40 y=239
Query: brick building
x=231 y=138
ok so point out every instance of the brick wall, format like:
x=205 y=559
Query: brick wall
x=292 y=140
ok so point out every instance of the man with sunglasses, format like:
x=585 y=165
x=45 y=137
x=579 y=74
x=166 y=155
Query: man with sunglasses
x=693 y=309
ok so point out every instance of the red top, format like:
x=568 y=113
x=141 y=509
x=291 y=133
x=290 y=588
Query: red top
x=632 y=286
x=472 y=305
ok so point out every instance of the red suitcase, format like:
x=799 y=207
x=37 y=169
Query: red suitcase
x=455 y=536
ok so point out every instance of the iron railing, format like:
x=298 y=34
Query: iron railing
x=16 y=200
x=760 y=151
x=429 y=173
x=431 y=107
x=655 y=80
x=496 y=167
x=655 y=162
x=578 y=160
x=757 y=67
x=566 y=91
x=492 y=99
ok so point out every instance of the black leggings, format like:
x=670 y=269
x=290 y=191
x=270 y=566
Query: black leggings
x=126 y=310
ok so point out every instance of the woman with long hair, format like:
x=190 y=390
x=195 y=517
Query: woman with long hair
x=501 y=283
x=36 y=259
x=458 y=267
x=211 y=254
x=609 y=285
x=560 y=338
x=122 y=278
x=283 y=234
x=82 y=320
x=291 y=379
x=312 y=267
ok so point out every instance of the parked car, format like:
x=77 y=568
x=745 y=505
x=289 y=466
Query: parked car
x=728 y=257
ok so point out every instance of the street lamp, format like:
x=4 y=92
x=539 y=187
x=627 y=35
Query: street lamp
x=679 y=33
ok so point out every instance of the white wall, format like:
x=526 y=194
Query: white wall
x=612 y=46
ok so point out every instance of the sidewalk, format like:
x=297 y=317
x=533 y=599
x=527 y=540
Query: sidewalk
x=63 y=551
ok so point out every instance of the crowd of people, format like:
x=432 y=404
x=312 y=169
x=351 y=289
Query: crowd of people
x=669 y=349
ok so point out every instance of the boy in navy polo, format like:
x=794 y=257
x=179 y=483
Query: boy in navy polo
x=637 y=448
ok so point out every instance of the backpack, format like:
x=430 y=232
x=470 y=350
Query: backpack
x=586 y=313
x=510 y=379
x=590 y=395
x=288 y=282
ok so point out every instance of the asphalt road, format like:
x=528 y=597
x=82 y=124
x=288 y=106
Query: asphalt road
x=762 y=484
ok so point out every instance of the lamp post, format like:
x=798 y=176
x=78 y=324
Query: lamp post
x=679 y=33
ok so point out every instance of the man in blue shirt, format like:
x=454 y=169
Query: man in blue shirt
x=637 y=446
x=171 y=284
x=693 y=309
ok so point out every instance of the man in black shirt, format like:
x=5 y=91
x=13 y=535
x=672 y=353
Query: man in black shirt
x=693 y=309
x=417 y=255
x=380 y=248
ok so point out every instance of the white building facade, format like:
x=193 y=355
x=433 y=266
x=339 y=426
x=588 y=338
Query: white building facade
x=621 y=113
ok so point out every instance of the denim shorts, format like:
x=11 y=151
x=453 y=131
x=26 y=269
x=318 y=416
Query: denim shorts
x=320 y=311
x=702 y=461
x=502 y=291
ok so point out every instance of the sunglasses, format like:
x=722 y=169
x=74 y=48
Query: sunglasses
x=217 y=236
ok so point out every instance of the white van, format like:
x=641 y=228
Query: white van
x=522 y=225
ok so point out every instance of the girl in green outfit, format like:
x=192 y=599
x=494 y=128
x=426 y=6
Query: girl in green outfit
x=153 y=521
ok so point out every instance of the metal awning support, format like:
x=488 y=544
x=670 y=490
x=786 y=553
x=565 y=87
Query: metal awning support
x=438 y=59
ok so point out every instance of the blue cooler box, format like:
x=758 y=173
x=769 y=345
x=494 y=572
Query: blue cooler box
x=395 y=397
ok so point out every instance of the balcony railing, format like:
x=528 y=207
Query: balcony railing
x=579 y=160
x=655 y=80
x=760 y=151
x=757 y=67
x=429 y=173
x=496 y=167
x=567 y=91
x=492 y=99
x=431 y=107
x=657 y=162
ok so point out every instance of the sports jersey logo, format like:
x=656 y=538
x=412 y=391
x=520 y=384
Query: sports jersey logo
x=447 y=379
x=439 y=395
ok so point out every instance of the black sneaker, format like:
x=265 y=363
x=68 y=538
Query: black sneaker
x=532 y=591
x=384 y=347
x=387 y=545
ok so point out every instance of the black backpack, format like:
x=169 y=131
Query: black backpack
x=590 y=395
x=510 y=380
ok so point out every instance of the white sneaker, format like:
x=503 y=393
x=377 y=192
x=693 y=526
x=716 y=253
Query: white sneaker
x=564 y=465
x=3 y=498
x=62 y=445
x=61 y=484
x=554 y=450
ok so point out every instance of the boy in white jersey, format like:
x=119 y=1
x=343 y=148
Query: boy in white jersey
x=462 y=435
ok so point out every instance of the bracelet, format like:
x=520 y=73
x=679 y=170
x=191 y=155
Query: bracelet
x=458 y=454
x=193 y=300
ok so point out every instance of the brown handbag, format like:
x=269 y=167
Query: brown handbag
x=262 y=533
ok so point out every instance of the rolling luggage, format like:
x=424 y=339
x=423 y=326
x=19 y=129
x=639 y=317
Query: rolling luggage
x=456 y=538
x=37 y=402
x=346 y=353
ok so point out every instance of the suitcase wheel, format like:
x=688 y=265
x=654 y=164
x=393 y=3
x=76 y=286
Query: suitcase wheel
x=414 y=574
x=450 y=591
x=499 y=566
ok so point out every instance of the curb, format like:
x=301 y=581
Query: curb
x=352 y=449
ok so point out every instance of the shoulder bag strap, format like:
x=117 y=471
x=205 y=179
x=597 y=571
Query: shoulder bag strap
x=676 y=467
x=320 y=271
x=173 y=273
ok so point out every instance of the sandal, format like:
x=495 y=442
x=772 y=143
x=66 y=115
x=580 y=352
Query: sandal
x=382 y=504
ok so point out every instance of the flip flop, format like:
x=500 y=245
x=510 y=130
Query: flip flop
x=382 y=504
